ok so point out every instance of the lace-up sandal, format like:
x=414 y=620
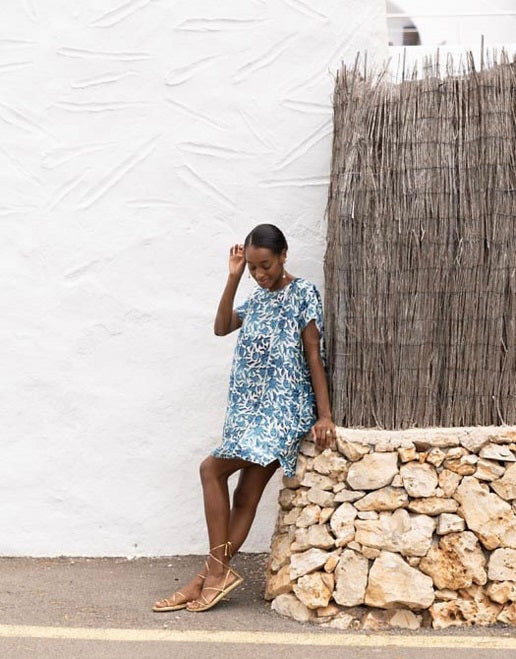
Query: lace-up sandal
x=204 y=604
x=170 y=603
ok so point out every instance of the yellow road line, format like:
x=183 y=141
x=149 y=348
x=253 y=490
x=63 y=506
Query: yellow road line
x=259 y=638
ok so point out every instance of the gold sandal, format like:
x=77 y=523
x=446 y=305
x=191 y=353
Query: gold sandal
x=222 y=592
x=169 y=604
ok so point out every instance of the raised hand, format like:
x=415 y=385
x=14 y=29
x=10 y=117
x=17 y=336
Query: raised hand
x=236 y=260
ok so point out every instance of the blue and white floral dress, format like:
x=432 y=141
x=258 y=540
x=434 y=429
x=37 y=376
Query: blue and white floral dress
x=271 y=403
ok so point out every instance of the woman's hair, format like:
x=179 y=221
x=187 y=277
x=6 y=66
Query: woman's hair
x=269 y=236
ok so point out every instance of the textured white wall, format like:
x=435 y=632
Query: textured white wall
x=138 y=140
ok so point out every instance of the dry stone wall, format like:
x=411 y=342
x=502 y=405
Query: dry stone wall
x=399 y=529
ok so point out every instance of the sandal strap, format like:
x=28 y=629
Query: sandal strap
x=171 y=601
x=227 y=552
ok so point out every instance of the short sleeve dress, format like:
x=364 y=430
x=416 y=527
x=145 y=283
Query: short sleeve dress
x=271 y=403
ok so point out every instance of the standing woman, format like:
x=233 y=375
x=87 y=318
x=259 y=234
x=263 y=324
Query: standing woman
x=278 y=391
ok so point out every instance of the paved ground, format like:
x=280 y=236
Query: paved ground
x=102 y=608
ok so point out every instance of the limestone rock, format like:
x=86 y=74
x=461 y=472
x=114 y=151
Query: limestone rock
x=316 y=535
x=307 y=561
x=309 y=448
x=405 y=619
x=436 y=457
x=474 y=441
x=286 y=497
x=446 y=594
x=288 y=605
x=291 y=516
x=508 y=614
x=407 y=454
x=370 y=552
x=487 y=514
x=393 y=583
x=386 y=498
x=450 y=524
x=332 y=464
x=356 y=546
x=503 y=436
x=502 y=565
x=397 y=481
x=420 y=480
x=456 y=563
x=348 y=495
x=384 y=619
x=325 y=515
x=463 y=466
x=314 y=590
x=448 y=482
x=351 y=578
x=471 y=607
x=376 y=620
x=295 y=480
x=444 y=440
x=278 y=583
x=399 y=532
x=342 y=621
x=489 y=470
x=308 y=515
x=497 y=452
x=332 y=562
x=433 y=506
x=505 y=487
x=470 y=554
x=320 y=497
x=301 y=498
x=280 y=551
x=352 y=450
x=446 y=571
x=330 y=610
x=313 y=479
x=502 y=592
x=342 y=523
x=367 y=514
x=373 y=471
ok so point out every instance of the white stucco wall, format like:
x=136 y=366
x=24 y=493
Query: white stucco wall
x=138 y=140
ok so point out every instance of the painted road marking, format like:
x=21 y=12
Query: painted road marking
x=258 y=638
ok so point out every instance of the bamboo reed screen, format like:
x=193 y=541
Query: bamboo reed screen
x=420 y=265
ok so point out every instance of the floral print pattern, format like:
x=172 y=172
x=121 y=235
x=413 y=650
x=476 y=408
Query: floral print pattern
x=271 y=403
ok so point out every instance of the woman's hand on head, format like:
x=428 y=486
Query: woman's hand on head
x=324 y=433
x=236 y=260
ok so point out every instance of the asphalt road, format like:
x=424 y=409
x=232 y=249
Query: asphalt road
x=102 y=608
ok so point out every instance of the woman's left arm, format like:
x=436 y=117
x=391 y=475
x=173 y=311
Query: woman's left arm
x=323 y=431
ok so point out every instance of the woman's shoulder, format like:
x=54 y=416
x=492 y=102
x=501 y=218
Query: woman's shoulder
x=304 y=286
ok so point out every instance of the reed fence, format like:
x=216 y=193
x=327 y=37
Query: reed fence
x=420 y=267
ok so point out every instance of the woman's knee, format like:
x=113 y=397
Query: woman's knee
x=206 y=469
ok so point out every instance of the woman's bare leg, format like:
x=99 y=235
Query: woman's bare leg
x=229 y=524
x=224 y=523
x=246 y=497
x=214 y=477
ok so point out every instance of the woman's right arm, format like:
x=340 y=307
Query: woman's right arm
x=227 y=320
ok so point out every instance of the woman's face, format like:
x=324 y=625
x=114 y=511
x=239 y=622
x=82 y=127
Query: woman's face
x=265 y=266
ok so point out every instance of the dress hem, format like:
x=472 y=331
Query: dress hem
x=227 y=456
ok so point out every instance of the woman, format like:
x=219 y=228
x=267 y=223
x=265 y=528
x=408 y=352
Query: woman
x=277 y=385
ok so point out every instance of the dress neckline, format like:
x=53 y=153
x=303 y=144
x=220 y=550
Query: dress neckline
x=283 y=288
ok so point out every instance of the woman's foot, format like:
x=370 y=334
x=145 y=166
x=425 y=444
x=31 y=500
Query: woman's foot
x=180 y=598
x=217 y=585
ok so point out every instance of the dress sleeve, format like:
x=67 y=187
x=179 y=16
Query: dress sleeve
x=242 y=309
x=311 y=309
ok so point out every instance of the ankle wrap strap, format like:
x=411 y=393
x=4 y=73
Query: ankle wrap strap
x=228 y=550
